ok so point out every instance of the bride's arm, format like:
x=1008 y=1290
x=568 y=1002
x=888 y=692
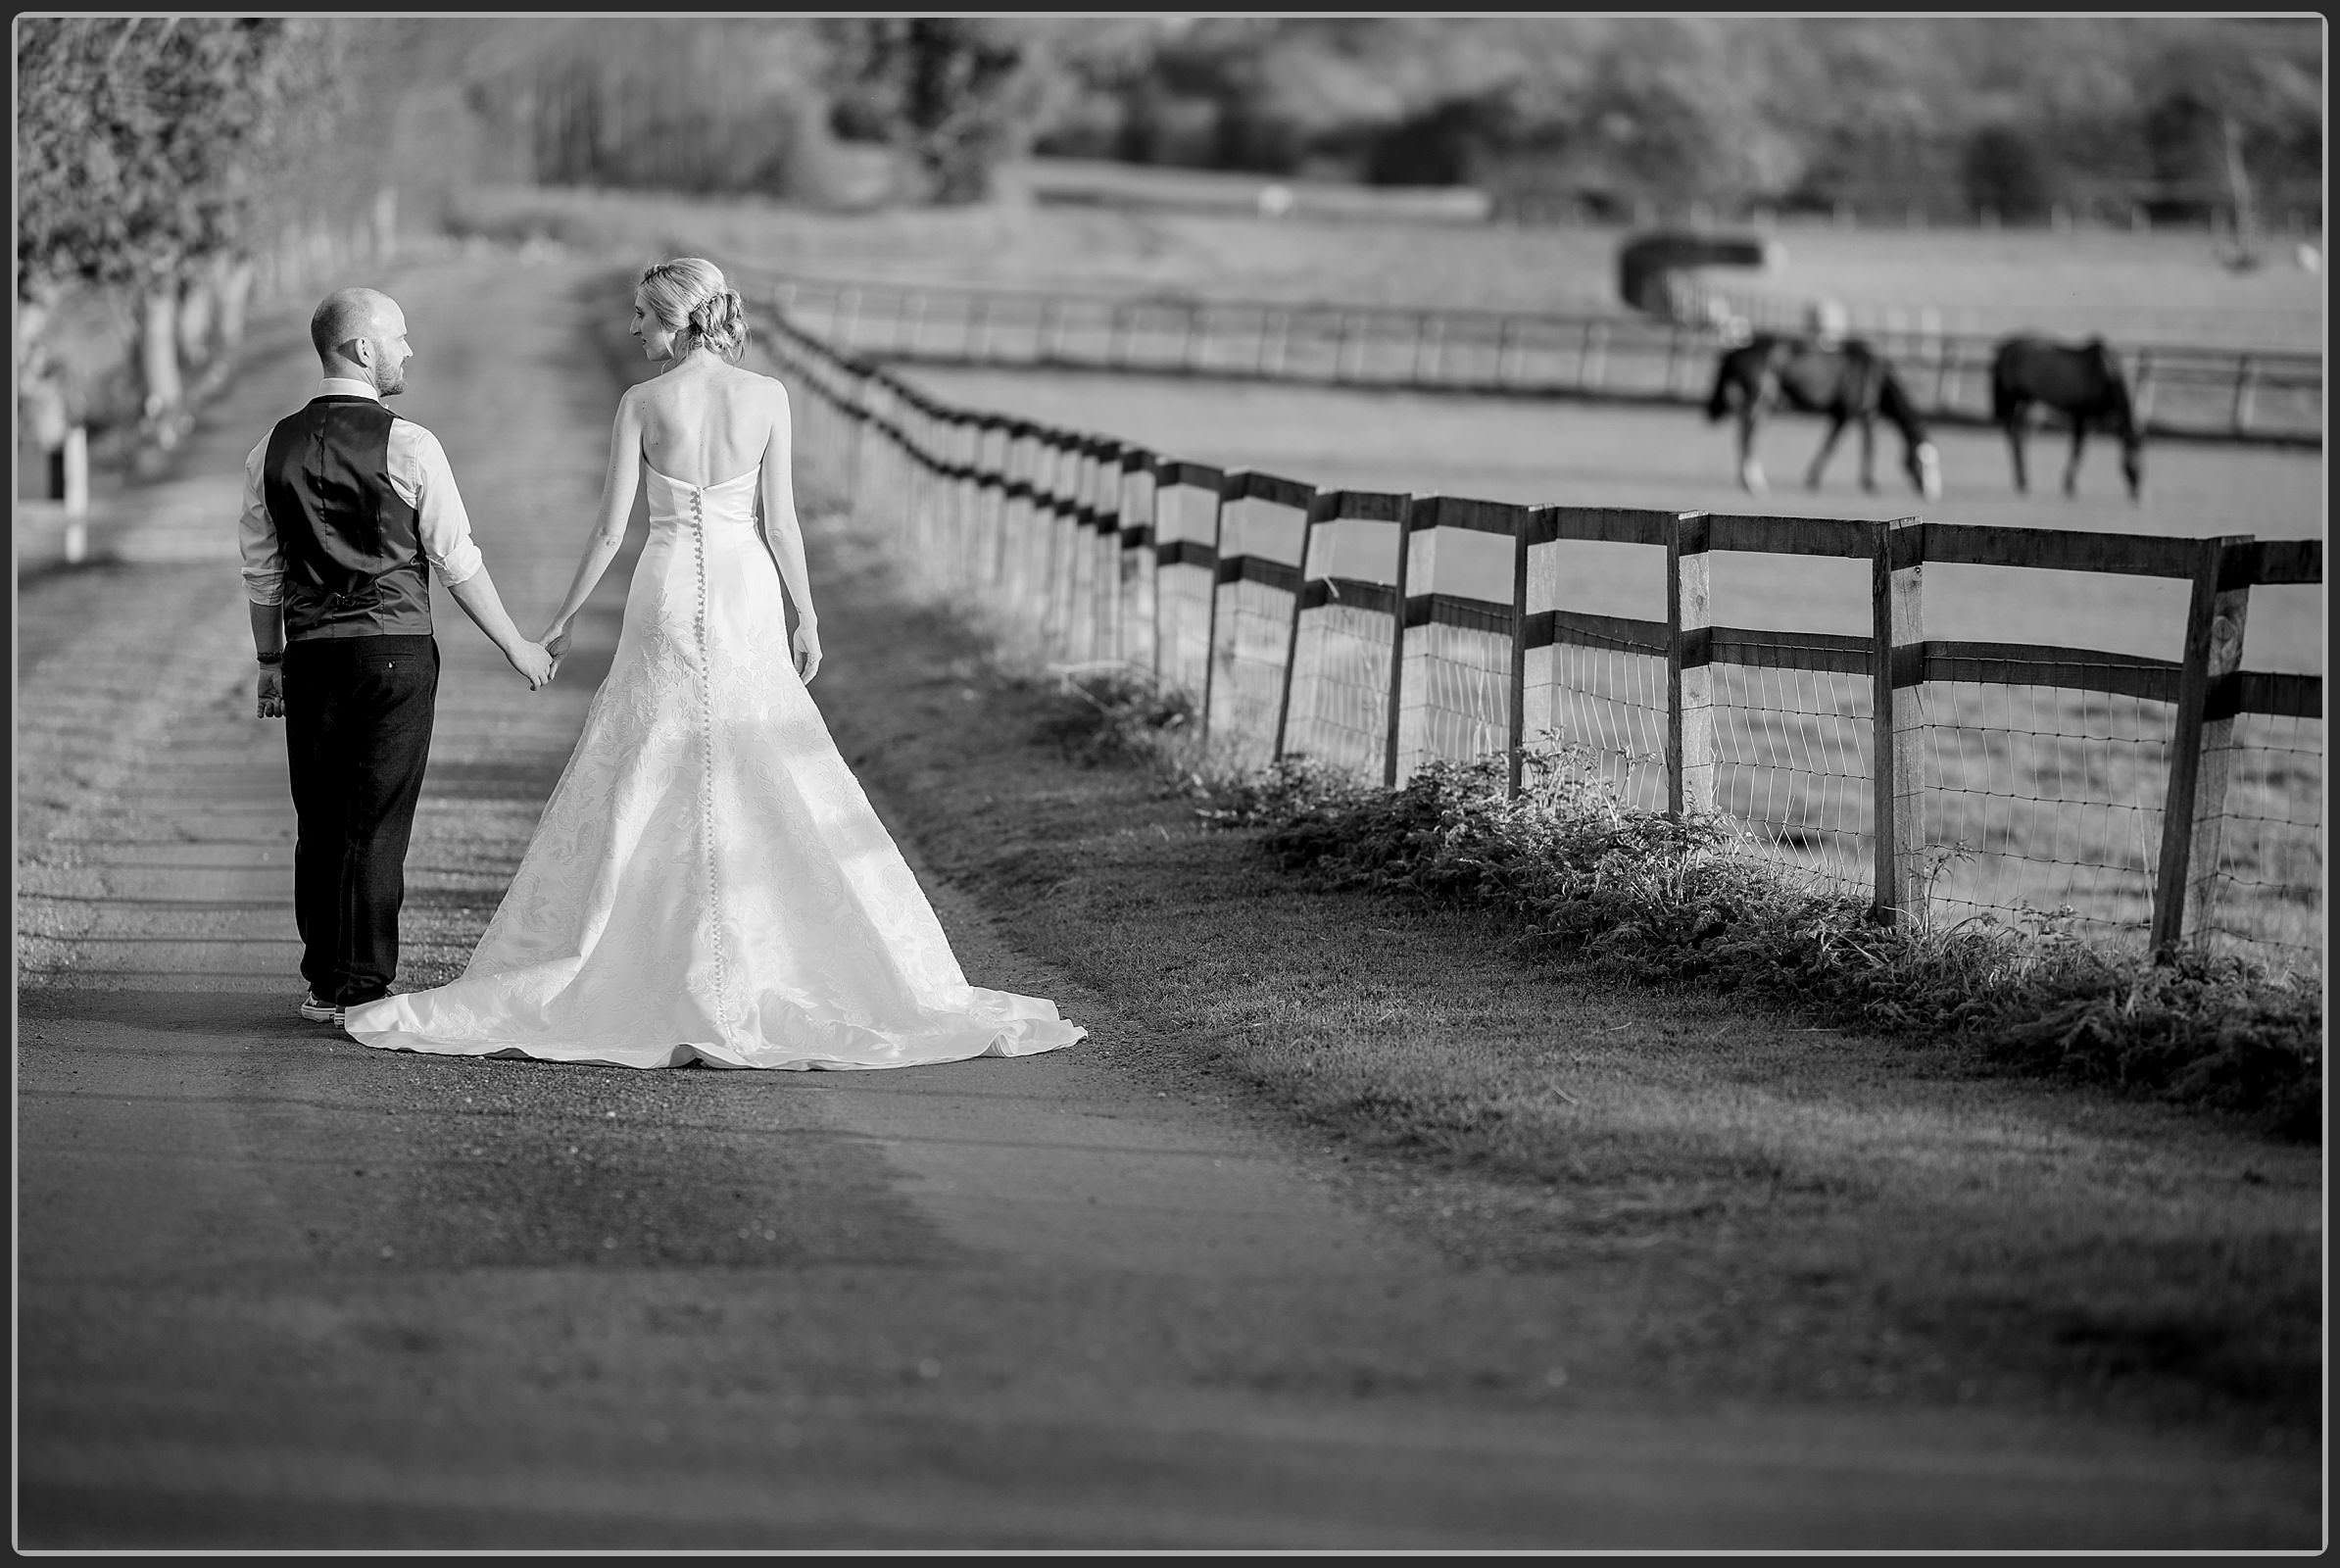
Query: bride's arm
x=785 y=536
x=609 y=524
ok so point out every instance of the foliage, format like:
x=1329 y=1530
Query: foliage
x=951 y=93
x=2006 y=172
x=145 y=143
x=1658 y=900
x=1117 y=714
x=1875 y=108
x=694 y=105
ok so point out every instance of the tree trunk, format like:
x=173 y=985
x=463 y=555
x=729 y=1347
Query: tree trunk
x=198 y=315
x=236 y=274
x=158 y=352
x=2238 y=188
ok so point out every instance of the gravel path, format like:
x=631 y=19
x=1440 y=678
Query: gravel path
x=278 y=1290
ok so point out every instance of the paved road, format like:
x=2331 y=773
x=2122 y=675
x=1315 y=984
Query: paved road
x=278 y=1290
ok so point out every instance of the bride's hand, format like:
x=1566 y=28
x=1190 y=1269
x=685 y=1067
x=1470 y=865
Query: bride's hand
x=808 y=645
x=555 y=640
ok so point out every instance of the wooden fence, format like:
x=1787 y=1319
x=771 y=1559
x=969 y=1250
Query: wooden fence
x=1228 y=585
x=2183 y=393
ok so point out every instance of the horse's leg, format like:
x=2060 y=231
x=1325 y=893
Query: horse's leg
x=2014 y=449
x=2071 y=470
x=1827 y=444
x=1869 y=453
x=1750 y=472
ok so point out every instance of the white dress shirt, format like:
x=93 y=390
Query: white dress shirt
x=418 y=473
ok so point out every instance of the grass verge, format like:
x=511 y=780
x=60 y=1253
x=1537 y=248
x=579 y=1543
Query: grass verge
x=1721 y=1198
x=1642 y=898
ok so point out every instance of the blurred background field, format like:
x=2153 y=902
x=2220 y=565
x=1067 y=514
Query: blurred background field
x=2152 y=287
x=2154 y=178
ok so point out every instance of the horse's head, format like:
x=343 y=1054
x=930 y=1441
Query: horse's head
x=1925 y=467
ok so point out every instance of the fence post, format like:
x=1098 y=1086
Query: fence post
x=2142 y=397
x=2193 y=806
x=1321 y=507
x=1689 y=674
x=1515 y=712
x=858 y=418
x=1190 y=329
x=913 y=325
x=1116 y=334
x=1427 y=505
x=1049 y=326
x=2246 y=378
x=73 y=461
x=1210 y=611
x=1897 y=670
x=1504 y=345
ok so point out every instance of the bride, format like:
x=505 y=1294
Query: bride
x=708 y=881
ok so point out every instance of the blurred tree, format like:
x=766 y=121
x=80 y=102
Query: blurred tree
x=951 y=94
x=1882 y=112
x=2221 y=101
x=2007 y=174
x=149 y=151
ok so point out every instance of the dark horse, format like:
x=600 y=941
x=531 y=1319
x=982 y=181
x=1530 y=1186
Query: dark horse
x=2082 y=382
x=1845 y=381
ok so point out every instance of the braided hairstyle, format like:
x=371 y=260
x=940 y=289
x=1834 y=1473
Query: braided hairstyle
x=688 y=296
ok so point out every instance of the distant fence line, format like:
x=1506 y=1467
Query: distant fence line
x=2184 y=392
x=2177 y=801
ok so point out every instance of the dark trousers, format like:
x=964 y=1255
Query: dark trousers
x=357 y=733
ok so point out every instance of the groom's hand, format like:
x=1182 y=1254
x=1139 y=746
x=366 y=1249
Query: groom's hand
x=533 y=663
x=271 y=694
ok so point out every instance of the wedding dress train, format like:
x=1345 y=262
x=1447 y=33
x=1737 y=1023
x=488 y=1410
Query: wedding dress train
x=707 y=880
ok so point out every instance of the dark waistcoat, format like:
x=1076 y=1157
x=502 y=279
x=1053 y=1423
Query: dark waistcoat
x=353 y=552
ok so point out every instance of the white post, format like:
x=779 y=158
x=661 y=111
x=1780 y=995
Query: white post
x=76 y=494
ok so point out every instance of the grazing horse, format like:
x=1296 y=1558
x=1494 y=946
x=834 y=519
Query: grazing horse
x=2082 y=382
x=1845 y=381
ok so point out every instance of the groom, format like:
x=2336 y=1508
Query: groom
x=348 y=509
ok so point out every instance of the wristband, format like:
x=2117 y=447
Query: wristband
x=272 y=660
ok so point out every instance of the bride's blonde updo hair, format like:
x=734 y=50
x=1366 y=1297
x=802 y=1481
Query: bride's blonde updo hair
x=688 y=295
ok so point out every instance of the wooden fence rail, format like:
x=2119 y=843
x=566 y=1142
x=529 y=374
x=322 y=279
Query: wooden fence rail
x=1207 y=580
x=2183 y=393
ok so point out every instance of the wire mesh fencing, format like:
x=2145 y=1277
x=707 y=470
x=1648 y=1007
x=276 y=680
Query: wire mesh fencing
x=1345 y=629
x=1378 y=633
x=2046 y=803
x=1263 y=523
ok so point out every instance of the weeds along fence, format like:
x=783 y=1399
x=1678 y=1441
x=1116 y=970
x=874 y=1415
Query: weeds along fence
x=2132 y=800
x=2183 y=393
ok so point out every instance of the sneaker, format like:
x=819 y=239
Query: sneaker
x=317 y=1011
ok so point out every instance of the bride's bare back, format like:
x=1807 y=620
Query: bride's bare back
x=710 y=422
x=702 y=423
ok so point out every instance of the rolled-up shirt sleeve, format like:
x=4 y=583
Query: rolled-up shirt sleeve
x=420 y=471
x=263 y=556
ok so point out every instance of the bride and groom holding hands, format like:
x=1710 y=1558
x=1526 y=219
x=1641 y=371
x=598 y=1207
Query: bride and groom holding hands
x=708 y=881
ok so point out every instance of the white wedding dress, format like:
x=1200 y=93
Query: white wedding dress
x=708 y=881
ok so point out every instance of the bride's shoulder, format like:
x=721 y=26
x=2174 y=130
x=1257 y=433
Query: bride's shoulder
x=767 y=385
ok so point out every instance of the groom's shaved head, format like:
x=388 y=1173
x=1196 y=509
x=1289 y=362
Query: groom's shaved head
x=346 y=313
